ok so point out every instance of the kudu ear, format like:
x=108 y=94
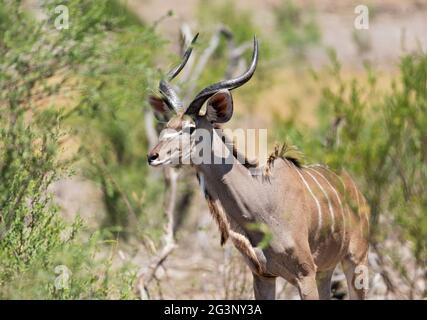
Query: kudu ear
x=220 y=107
x=160 y=108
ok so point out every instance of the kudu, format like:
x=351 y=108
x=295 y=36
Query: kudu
x=315 y=218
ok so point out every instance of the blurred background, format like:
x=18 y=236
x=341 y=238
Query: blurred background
x=81 y=214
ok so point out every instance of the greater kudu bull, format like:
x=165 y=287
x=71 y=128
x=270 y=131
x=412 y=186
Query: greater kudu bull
x=315 y=217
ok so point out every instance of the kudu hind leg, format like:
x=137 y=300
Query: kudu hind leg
x=357 y=278
x=264 y=287
x=323 y=280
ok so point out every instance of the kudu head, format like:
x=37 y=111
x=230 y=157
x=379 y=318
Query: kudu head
x=177 y=140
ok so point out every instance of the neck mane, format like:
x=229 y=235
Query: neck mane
x=285 y=151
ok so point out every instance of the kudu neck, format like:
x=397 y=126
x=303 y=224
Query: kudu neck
x=223 y=161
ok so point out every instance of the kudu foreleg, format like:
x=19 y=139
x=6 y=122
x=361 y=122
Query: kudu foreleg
x=307 y=287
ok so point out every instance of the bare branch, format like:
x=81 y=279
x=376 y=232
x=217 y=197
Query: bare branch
x=386 y=272
x=202 y=61
x=236 y=62
x=186 y=36
x=145 y=276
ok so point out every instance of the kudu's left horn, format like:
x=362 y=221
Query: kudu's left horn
x=167 y=91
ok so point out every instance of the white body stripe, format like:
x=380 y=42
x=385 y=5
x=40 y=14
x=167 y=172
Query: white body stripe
x=338 y=198
x=331 y=210
x=345 y=190
x=319 y=209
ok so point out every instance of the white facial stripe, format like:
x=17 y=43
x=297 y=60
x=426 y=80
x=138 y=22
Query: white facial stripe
x=170 y=135
x=331 y=210
x=188 y=124
x=319 y=209
x=159 y=162
x=173 y=134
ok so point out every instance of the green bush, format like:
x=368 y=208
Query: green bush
x=38 y=65
x=110 y=124
x=296 y=28
x=29 y=225
x=115 y=53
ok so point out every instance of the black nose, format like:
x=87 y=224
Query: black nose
x=152 y=156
